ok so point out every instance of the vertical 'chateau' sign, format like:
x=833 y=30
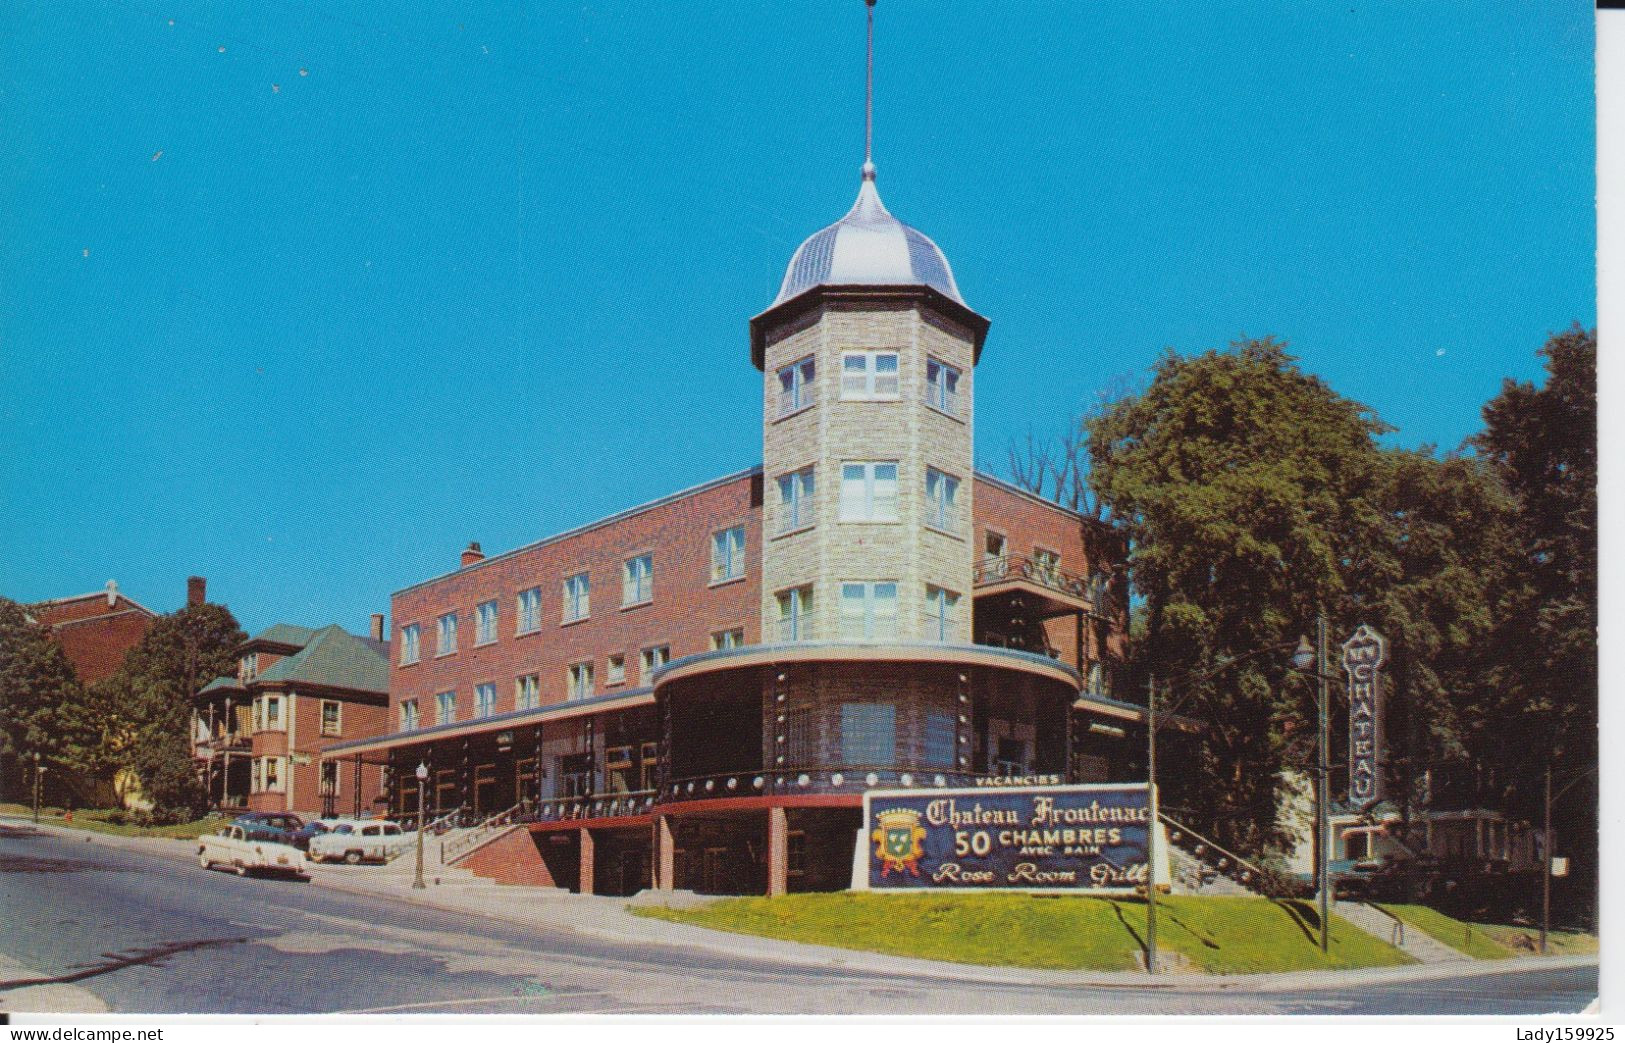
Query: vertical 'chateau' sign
x=1363 y=657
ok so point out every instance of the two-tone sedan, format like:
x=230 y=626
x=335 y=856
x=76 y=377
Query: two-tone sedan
x=234 y=848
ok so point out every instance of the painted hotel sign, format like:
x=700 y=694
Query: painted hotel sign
x=1363 y=657
x=1051 y=838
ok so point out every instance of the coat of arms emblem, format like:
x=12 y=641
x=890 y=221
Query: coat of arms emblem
x=899 y=841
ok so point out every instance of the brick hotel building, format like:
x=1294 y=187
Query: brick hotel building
x=696 y=693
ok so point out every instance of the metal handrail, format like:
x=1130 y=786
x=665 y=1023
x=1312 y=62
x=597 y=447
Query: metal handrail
x=833 y=778
x=455 y=848
x=584 y=806
x=1025 y=566
x=1176 y=827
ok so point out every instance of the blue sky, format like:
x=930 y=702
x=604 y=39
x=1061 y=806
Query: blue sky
x=304 y=299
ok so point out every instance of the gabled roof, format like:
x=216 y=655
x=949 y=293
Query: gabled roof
x=333 y=658
x=118 y=595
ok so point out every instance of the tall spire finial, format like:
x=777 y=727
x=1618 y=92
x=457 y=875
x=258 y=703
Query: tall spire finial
x=869 y=98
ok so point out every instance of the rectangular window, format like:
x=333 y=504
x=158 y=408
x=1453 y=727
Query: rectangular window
x=446 y=634
x=485 y=622
x=485 y=700
x=734 y=638
x=257 y=783
x=445 y=707
x=796 y=500
x=728 y=554
x=942 y=387
x=527 y=692
x=273 y=774
x=637 y=581
x=268 y=713
x=869 y=491
x=941 y=500
x=941 y=613
x=330 y=779
x=409 y=644
x=580 y=681
x=617 y=670
x=332 y=717
x=248 y=667
x=653 y=659
x=939 y=739
x=576 y=597
x=409 y=715
x=868 y=375
x=869 y=610
x=995 y=554
x=529 y=606
x=868 y=734
x=797 y=388
x=795 y=613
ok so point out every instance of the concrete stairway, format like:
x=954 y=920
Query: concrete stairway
x=1378 y=924
x=1193 y=877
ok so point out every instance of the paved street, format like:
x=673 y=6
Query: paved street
x=135 y=932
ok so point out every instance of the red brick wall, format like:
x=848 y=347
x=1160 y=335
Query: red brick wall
x=96 y=645
x=684 y=612
x=513 y=859
x=52 y=613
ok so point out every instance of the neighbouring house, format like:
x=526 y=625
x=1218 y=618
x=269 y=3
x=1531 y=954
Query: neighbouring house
x=96 y=630
x=259 y=735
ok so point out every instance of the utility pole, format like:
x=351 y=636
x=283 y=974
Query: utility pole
x=1322 y=810
x=1151 y=827
x=1546 y=864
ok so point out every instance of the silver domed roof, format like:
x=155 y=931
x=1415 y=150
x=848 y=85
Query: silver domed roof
x=868 y=247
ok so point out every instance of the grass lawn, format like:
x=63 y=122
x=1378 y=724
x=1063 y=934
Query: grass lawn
x=1524 y=940
x=1459 y=935
x=1218 y=935
x=96 y=821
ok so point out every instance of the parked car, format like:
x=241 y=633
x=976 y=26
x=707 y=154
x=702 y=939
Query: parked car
x=358 y=840
x=275 y=826
x=301 y=837
x=232 y=846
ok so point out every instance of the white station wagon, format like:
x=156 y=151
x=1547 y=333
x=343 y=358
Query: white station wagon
x=232 y=848
x=359 y=840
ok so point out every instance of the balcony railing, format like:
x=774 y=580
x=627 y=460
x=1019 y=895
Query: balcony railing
x=1004 y=567
x=822 y=780
x=597 y=805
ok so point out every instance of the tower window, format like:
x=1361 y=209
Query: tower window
x=637 y=580
x=941 y=500
x=869 y=610
x=795 y=614
x=797 y=387
x=869 y=491
x=941 y=612
x=796 y=500
x=577 y=592
x=869 y=376
x=942 y=387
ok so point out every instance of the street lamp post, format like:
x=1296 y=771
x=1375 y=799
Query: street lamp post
x=1305 y=658
x=1151 y=829
x=423 y=777
x=39 y=774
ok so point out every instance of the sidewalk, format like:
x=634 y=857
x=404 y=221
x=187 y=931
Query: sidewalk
x=550 y=910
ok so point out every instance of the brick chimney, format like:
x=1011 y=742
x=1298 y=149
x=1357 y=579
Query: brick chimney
x=195 y=590
x=472 y=555
x=377 y=626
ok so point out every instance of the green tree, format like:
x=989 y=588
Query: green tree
x=148 y=702
x=37 y=684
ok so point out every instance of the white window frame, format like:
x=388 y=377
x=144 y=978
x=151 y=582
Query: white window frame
x=796 y=624
x=867 y=505
x=798 y=502
x=445 y=634
x=875 y=618
x=485 y=699
x=527 y=606
x=615 y=673
x=942 y=393
x=733 y=637
x=647 y=664
x=411 y=635
x=527 y=691
x=728 y=554
x=798 y=386
x=273 y=775
x=577 y=597
x=579 y=677
x=868 y=382
x=941 y=500
x=941 y=611
x=637 y=580
x=410 y=719
x=445 y=709
x=485 y=623
x=338 y=717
